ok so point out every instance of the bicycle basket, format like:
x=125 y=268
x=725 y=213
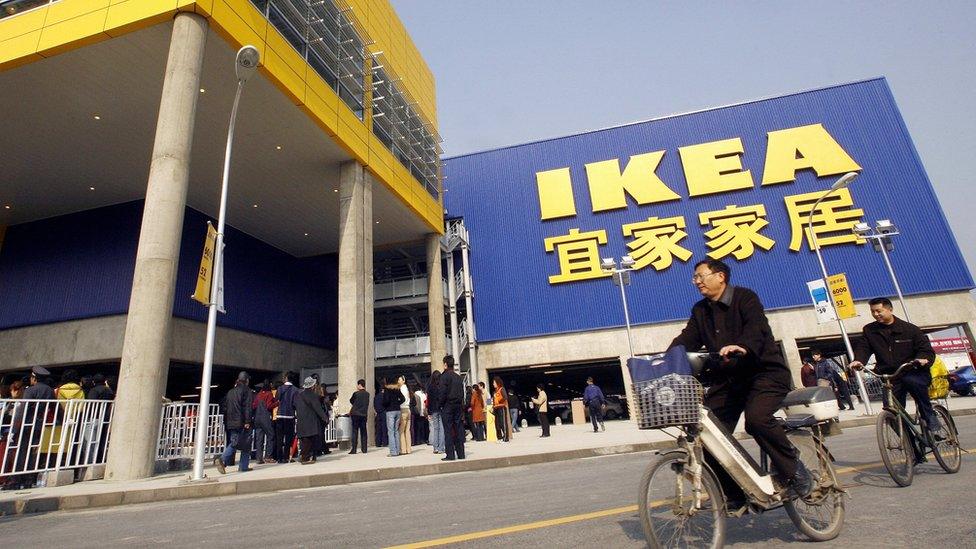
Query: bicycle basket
x=939 y=387
x=668 y=401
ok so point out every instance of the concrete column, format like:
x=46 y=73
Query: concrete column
x=146 y=346
x=435 y=302
x=628 y=389
x=355 y=353
x=794 y=361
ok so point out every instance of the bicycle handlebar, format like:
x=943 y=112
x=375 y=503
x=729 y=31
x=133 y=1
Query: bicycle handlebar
x=900 y=371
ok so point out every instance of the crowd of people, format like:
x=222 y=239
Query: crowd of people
x=21 y=426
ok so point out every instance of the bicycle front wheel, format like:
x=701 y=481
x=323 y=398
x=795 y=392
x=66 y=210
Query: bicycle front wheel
x=667 y=510
x=896 y=448
x=820 y=515
x=946 y=451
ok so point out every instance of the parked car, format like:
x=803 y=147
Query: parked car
x=962 y=380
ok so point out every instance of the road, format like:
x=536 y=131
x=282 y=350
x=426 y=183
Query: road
x=582 y=503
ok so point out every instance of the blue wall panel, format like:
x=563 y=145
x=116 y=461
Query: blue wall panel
x=80 y=266
x=496 y=193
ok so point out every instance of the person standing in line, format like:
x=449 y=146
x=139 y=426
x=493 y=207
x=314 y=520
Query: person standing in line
x=392 y=398
x=808 y=374
x=403 y=427
x=421 y=427
x=827 y=376
x=264 y=431
x=70 y=389
x=477 y=413
x=451 y=398
x=513 y=409
x=357 y=415
x=379 y=422
x=310 y=417
x=434 y=413
x=101 y=390
x=237 y=418
x=594 y=400
x=503 y=426
x=541 y=402
x=285 y=422
x=29 y=421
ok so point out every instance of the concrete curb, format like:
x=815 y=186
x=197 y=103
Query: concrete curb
x=46 y=504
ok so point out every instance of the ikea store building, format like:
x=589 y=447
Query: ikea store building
x=735 y=183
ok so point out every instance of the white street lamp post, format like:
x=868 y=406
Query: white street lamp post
x=881 y=237
x=621 y=277
x=245 y=65
x=841 y=183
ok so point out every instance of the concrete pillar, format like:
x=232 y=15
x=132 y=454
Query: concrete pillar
x=435 y=302
x=628 y=389
x=355 y=353
x=794 y=361
x=146 y=346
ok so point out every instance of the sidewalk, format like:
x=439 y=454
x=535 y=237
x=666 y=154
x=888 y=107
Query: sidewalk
x=526 y=448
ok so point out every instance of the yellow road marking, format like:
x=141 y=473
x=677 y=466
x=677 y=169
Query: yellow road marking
x=576 y=518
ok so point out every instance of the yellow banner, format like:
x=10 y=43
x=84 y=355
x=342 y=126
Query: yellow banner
x=205 y=276
x=843 y=300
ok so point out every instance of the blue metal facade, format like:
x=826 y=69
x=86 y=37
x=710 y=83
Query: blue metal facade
x=80 y=266
x=496 y=193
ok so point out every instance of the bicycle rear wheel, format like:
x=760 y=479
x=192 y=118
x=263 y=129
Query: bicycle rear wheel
x=896 y=449
x=946 y=451
x=667 y=511
x=819 y=516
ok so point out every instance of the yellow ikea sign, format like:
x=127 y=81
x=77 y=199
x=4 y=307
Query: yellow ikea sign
x=709 y=168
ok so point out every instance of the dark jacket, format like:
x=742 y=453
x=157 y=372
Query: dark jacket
x=741 y=320
x=360 y=403
x=100 y=392
x=39 y=391
x=286 y=400
x=892 y=345
x=451 y=390
x=392 y=398
x=593 y=396
x=262 y=405
x=238 y=402
x=310 y=416
x=433 y=398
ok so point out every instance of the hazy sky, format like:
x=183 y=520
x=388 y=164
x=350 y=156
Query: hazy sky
x=511 y=72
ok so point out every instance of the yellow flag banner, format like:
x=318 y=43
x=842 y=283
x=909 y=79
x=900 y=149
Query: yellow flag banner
x=843 y=299
x=205 y=275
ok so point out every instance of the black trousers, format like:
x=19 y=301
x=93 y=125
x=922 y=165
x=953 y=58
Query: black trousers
x=916 y=383
x=306 y=446
x=759 y=395
x=501 y=430
x=379 y=427
x=843 y=393
x=358 y=431
x=453 y=419
x=544 y=421
x=284 y=435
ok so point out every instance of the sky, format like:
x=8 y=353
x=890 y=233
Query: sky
x=511 y=72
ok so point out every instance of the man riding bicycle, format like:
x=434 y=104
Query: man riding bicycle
x=731 y=321
x=894 y=342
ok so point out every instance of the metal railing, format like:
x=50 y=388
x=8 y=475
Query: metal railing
x=50 y=435
x=178 y=430
x=459 y=284
x=411 y=286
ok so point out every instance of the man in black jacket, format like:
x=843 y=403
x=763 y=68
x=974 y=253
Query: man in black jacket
x=357 y=414
x=894 y=342
x=450 y=395
x=310 y=417
x=237 y=419
x=731 y=320
x=101 y=390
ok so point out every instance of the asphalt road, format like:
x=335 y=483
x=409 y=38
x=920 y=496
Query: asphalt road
x=539 y=505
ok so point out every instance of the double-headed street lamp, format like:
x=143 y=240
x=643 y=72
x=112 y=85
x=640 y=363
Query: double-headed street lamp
x=621 y=277
x=245 y=66
x=880 y=237
x=838 y=185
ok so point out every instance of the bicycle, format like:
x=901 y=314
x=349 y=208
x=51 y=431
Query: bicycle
x=904 y=440
x=681 y=501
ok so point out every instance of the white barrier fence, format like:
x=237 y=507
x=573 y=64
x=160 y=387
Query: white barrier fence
x=178 y=431
x=50 y=435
